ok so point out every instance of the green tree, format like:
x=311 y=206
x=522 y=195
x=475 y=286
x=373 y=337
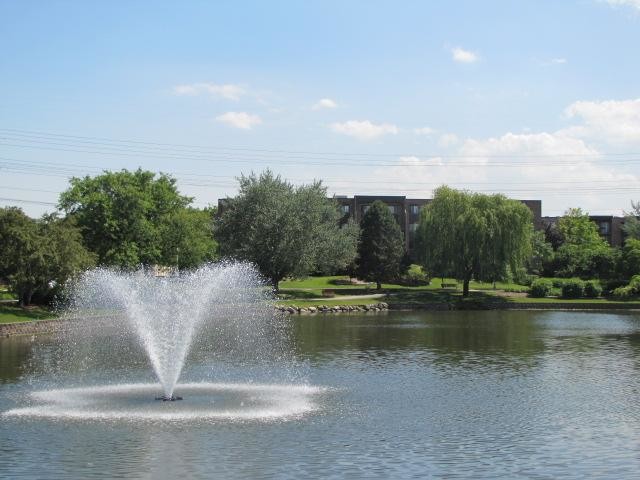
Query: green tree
x=284 y=230
x=583 y=252
x=381 y=247
x=632 y=221
x=39 y=256
x=186 y=237
x=471 y=235
x=630 y=258
x=120 y=214
x=541 y=253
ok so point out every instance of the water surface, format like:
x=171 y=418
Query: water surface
x=391 y=395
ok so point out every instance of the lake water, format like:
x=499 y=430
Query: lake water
x=391 y=395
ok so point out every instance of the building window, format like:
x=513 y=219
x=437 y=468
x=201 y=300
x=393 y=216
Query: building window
x=604 y=228
x=393 y=209
x=413 y=227
x=414 y=209
x=345 y=209
x=365 y=208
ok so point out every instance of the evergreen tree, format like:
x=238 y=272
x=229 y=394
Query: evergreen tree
x=381 y=248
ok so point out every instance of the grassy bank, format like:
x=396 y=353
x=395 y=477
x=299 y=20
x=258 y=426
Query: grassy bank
x=335 y=290
x=15 y=314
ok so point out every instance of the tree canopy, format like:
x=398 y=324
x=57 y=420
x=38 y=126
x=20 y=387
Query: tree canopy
x=133 y=218
x=583 y=252
x=632 y=221
x=39 y=256
x=470 y=235
x=381 y=247
x=284 y=230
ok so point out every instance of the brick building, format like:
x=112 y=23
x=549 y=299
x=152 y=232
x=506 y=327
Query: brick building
x=407 y=211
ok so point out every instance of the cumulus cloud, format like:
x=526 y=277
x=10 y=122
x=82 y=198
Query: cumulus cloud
x=556 y=167
x=241 y=120
x=424 y=131
x=227 y=91
x=625 y=3
x=364 y=130
x=324 y=103
x=461 y=55
x=447 y=140
x=616 y=123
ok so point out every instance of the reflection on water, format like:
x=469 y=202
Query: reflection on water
x=454 y=394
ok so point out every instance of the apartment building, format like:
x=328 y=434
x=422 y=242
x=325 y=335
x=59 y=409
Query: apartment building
x=407 y=211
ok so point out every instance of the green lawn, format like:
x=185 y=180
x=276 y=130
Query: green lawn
x=13 y=314
x=308 y=292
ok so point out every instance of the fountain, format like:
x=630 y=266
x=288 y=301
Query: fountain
x=219 y=309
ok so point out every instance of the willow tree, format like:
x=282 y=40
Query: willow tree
x=470 y=235
x=283 y=229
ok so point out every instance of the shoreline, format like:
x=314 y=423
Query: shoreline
x=54 y=325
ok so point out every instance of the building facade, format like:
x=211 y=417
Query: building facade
x=407 y=211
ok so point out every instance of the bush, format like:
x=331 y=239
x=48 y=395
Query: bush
x=592 y=289
x=540 y=287
x=559 y=282
x=573 y=288
x=622 y=293
x=413 y=278
x=610 y=286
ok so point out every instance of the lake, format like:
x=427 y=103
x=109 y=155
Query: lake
x=513 y=394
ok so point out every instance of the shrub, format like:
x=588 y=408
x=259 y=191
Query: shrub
x=559 y=282
x=413 y=278
x=573 y=288
x=592 y=289
x=622 y=292
x=540 y=287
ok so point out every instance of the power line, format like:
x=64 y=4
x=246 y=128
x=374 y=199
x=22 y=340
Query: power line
x=103 y=140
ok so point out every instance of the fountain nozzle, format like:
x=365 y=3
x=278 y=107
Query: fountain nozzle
x=172 y=398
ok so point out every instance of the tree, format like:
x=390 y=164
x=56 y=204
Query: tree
x=471 y=235
x=186 y=237
x=583 y=251
x=284 y=230
x=632 y=221
x=630 y=258
x=38 y=257
x=381 y=247
x=541 y=253
x=120 y=214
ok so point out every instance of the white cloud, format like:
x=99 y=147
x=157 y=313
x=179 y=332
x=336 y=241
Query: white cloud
x=363 y=130
x=447 y=140
x=241 y=120
x=424 y=131
x=534 y=145
x=558 y=61
x=227 y=91
x=616 y=123
x=624 y=3
x=464 y=56
x=324 y=103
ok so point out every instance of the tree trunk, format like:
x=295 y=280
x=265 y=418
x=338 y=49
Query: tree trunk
x=465 y=287
x=276 y=285
x=378 y=285
x=25 y=298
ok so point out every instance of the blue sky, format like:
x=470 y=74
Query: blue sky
x=535 y=99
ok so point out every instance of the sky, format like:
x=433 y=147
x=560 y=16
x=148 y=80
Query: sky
x=535 y=99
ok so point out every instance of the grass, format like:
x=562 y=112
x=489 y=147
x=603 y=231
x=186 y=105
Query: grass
x=308 y=292
x=14 y=314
